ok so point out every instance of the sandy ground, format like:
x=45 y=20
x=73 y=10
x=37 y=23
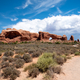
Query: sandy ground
x=23 y=75
x=70 y=69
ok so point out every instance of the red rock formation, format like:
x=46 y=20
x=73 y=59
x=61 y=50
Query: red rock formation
x=64 y=37
x=46 y=36
x=13 y=35
x=34 y=36
x=2 y=37
x=77 y=40
x=71 y=38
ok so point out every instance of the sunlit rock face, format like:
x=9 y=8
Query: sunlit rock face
x=13 y=35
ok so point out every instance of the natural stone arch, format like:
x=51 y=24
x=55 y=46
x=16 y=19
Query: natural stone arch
x=12 y=34
x=50 y=38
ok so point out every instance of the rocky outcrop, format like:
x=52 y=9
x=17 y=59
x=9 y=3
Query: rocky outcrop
x=46 y=36
x=13 y=35
x=77 y=40
x=71 y=38
x=64 y=37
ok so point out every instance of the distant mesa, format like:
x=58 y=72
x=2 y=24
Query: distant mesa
x=12 y=35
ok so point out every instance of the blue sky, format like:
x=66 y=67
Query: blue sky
x=54 y=16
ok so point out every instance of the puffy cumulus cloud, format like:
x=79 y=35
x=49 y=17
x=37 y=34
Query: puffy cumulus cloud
x=56 y=24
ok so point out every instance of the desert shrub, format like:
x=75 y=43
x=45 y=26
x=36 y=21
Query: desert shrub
x=57 y=42
x=50 y=73
x=75 y=42
x=18 y=56
x=36 y=54
x=47 y=77
x=67 y=54
x=31 y=51
x=54 y=55
x=4 y=58
x=47 y=55
x=33 y=72
x=4 y=64
x=59 y=60
x=49 y=42
x=27 y=58
x=30 y=67
x=8 y=53
x=11 y=72
x=20 y=52
x=68 y=43
x=44 y=61
x=77 y=53
x=19 y=63
x=10 y=59
x=65 y=58
x=68 y=57
x=55 y=68
x=0 y=54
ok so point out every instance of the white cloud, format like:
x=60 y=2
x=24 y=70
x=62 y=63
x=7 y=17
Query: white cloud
x=55 y=24
x=12 y=19
x=69 y=11
x=78 y=11
x=26 y=4
x=43 y=5
x=15 y=19
x=59 y=10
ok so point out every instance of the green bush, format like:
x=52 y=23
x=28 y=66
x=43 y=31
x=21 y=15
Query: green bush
x=10 y=72
x=27 y=58
x=33 y=72
x=77 y=53
x=9 y=53
x=47 y=55
x=30 y=67
x=57 y=42
x=65 y=58
x=44 y=61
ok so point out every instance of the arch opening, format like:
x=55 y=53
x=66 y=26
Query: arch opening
x=12 y=34
x=50 y=38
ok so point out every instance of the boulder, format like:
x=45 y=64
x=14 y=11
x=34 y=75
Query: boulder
x=77 y=40
x=71 y=38
x=64 y=37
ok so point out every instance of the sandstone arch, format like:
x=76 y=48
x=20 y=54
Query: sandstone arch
x=12 y=34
